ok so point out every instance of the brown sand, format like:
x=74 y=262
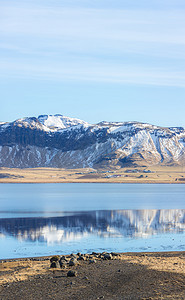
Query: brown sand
x=127 y=276
x=159 y=174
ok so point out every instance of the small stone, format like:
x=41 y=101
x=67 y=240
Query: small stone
x=86 y=278
x=53 y=265
x=63 y=258
x=63 y=264
x=73 y=255
x=107 y=256
x=114 y=254
x=92 y=261
x=54 y=258
x=71 y=273
x=73 y=262
x=81 y=258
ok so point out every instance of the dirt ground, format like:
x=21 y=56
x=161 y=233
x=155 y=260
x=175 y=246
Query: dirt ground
x=154 y=174
x=124 y=276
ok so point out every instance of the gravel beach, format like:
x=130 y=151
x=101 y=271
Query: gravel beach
x=95 y=276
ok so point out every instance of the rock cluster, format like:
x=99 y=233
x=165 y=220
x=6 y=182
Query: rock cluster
x=67 y=261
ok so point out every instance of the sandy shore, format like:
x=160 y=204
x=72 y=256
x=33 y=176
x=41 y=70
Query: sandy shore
x=154 y=174
x=123 y=276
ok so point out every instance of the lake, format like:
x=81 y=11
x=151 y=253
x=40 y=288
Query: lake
x=46 y=219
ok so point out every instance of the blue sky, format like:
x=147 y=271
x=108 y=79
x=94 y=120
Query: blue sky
x=94 y=60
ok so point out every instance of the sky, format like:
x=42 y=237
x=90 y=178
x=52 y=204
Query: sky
x=96 y=60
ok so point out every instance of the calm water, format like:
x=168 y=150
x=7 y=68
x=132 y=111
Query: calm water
x=43 y=219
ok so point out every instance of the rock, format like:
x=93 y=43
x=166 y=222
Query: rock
x=86 y=278
x=71 y=273
x=63 y=264
x=73 y=262
x=81 y=258
x=73 y=255
x=107 y=256
x=64 y=259
x=53 y=264
x=92 y=261
x=54 y=258
x=114 y=254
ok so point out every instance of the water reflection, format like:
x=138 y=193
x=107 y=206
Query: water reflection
x=135 y=224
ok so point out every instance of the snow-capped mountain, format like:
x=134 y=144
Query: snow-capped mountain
x=59 y=141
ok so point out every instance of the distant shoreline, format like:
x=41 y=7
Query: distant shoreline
x=139 y=175
x=98 y=182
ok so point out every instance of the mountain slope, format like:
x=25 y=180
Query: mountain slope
x=59 y=141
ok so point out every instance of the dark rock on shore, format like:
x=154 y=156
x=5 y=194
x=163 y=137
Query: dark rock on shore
x=54 y=258
x=53 y=264
x=71 y=273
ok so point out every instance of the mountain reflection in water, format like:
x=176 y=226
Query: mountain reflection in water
x=105 y=224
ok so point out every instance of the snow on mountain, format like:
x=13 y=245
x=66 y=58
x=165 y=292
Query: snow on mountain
x=31 y=123
x=59 y=121
x=59 y=141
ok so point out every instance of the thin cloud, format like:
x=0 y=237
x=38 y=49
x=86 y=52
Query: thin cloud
x=93 y=72
x=122 y=25
x=65 y=43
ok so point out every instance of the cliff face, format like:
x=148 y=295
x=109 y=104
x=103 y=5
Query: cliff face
x=58 y=141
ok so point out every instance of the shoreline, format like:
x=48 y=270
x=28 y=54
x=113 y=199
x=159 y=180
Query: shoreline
x=138 y=253
x=137 y=275
x=113 y=182
x=140 y=175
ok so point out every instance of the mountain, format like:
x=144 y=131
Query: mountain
x=59 y=141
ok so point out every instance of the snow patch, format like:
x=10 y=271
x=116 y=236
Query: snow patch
x=56 y=122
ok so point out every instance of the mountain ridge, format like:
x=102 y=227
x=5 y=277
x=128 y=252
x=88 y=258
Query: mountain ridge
x=60 y=141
